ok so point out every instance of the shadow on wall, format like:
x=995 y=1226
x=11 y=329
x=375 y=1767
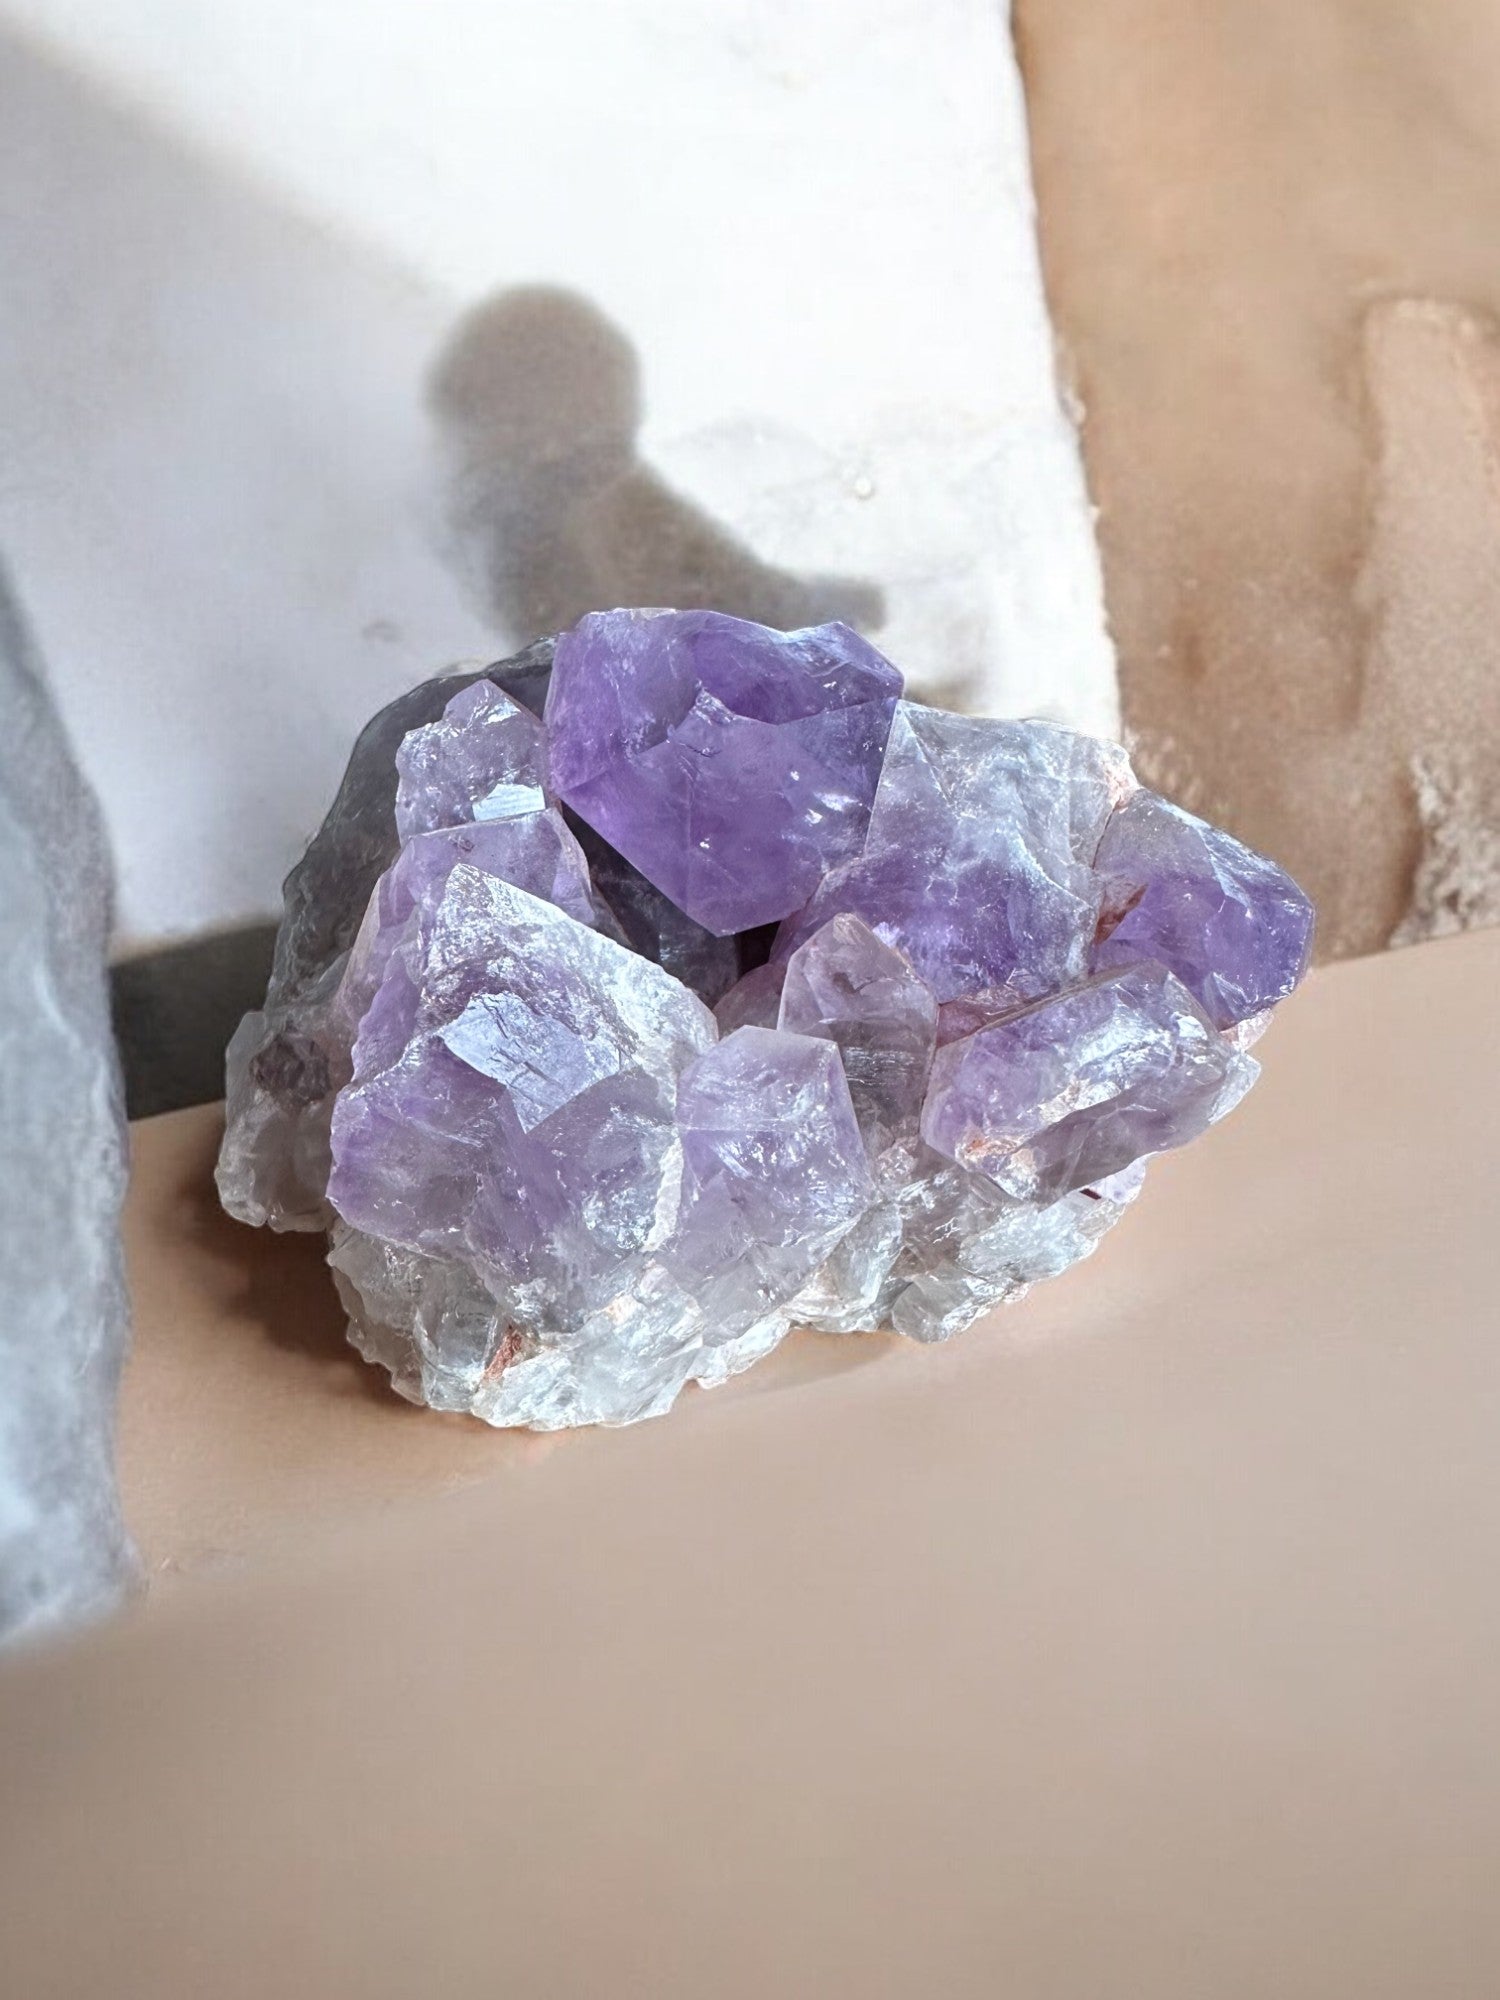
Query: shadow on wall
x=538 y=399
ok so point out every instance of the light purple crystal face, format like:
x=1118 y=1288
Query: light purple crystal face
x=517 y=1109
x=732 y=765
x=484 y=759
x=536 y=853
x=1074 y=1089
x=978 y=859
x=865 y=996
x=1234 y=927
x=558 y=1188
x=774 y=1171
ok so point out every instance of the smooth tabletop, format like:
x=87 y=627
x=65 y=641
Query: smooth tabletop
x=1141 y=1642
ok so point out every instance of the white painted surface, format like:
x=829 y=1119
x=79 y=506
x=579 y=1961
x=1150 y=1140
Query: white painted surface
x=247 y=232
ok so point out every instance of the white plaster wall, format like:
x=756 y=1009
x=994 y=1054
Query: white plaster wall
x=241 y=234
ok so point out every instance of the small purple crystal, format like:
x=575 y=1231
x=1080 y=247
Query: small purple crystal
x=1234 y=927
x=1071 y=1090
x=485 y=758
x=287 y=1060
x=731 y=764
x=774 y=1171
x=558 y=1189
x=864 y=995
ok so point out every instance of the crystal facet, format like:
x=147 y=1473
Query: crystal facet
x=1178 y=892
x=753 y=1001
x=558 y=1188
x=1074 y=1088
x=978 y=859
x=774 y=1171
x=485 y=758
x=863 y=994
x=731 y=764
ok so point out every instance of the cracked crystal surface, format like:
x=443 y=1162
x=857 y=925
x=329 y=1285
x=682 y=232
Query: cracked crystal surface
x=558 y=1187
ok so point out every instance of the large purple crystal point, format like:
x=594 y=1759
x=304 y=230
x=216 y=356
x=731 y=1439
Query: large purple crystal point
x=1234 y=927
x=977 y=863
x=1075 y=1088
x=731 y=764
x=863 y=994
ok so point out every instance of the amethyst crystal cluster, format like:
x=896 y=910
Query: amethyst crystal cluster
x=677 y=983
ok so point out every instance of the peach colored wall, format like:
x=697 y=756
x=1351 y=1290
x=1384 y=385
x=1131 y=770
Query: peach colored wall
x=1271 y=236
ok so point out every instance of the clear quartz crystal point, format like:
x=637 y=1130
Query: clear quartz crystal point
x=559 y=1189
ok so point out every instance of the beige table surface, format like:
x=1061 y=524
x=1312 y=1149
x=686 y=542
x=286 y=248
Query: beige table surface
x=1143 y=1643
